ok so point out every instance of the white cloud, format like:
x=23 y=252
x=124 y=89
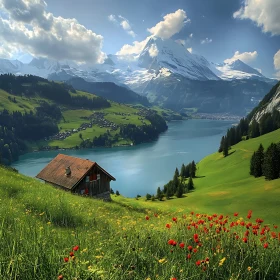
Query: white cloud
x=277 y=60
x=172 y=23
x=190 y=50
x=153 y=51
x=191 y=35
x=246 y=57
x=8 y=51
x=135 y=48
x=259 y=70
x=123 y=22
x=112 y=18
x=31 y=28
x=265 y=13
x=206 y=41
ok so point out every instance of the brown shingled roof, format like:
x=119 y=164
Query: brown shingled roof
x=54 y=172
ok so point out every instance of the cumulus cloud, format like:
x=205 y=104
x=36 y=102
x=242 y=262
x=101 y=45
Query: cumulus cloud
x=172 y=23
x=8 y=51
x=123 y=22
x=153 y=50
x=206 y=41
x=135 y=48
x=30 y=27
x=190 y=50
x=264 y=13
x=191 y=35
x=246 y=57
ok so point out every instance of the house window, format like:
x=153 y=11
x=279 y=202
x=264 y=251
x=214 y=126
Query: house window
x=87 y=179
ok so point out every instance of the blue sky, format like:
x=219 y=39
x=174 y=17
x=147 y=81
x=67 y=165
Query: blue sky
x=219 y=28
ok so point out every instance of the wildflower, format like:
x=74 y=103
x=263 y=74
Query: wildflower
x=147 y=218
x=190 y=248
x=249 y=268
x=71 y=254
x=207 y=260
x=249 y=214
x=198 y=263
x=275 y=226
x=66 y=259
x=76 y=248
x=222 y=261
x=194 y=250
x=265 y=245
x=168 y=226
x=182 y=245
x=172 y=242
x=161 y=260
x=60 y=277
x=188 y=256
x=174 y=219
x=235 y=214
x=245 y=240
x=173 y=278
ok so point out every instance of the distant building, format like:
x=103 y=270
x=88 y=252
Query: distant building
x=77 y=175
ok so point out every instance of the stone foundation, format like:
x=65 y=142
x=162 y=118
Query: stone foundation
x=104 y=196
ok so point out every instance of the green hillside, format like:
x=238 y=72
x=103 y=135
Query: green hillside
x=224 y=185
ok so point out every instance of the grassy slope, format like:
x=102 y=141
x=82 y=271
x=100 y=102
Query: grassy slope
x=73 y=119
x=225 y=185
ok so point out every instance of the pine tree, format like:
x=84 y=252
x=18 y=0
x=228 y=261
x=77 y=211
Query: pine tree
x=225 y=147
x=175 y=180
x=190 y=184
x=259 y=157
x=221 y=144
x=168 y=192
x=252 y=164
x=193 y=169
x=159 y=194
x=180 y=190
x=254 y=129
x=182 y=173
x=271 y=163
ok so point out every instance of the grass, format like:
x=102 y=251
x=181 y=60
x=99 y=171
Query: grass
x=224 y=185
x=47 y=233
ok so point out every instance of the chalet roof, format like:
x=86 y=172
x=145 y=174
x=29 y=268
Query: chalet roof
x=54 y=172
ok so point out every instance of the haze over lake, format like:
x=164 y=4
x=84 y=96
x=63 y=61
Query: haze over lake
x=141 y=169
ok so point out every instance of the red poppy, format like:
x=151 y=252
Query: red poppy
x=192 y=213
x=249 y=214
x=275 y=226
x=190 y=248
x=207 y=259
x=194 y=250
x=245 y=240
x=235 y=214
x=168 y=225
x=71 y=254
x=147 y=218
x=198 y=263
x=66 y=259
x=174 y=219
x=156 y=215
x=60 y=277
x=173 y=278
x=76 y=248
x=182 y=245
x=172 y=242
x=265 y=245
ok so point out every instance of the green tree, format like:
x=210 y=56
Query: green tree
x=271 y=163
x=221 y=144
x=193 y=169
x=190 y=184
x=254 y=129
x=159 y=194
x=259 y=158
x=252 y=164
x=182 y=172
x=180 y=190
x=225 y=147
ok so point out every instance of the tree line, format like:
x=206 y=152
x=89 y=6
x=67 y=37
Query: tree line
x=266 y=163
x=250 y=128
x=178 y=185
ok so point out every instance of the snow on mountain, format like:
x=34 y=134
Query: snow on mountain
x=238 y=70
x=158 y=54
x=158 y=59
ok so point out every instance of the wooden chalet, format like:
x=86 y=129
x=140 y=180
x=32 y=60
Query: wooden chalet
x=77 y=175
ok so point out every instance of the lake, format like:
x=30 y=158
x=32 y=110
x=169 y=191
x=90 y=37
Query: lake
x=141 y=169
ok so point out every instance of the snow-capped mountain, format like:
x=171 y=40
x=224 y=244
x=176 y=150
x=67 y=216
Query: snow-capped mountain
x=237 y=70
x=158 y=59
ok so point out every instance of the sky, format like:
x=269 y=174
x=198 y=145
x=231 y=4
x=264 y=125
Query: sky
x=88 y=30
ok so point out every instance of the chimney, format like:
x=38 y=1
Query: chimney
x=67 y=171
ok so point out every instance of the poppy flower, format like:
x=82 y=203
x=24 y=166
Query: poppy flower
x=194 y=250
x=265 y=245
x=173 y=278
x=190 y=248
x=76 y=248
x=198 y=263
x=66 y=259
x=182 y=245
x=174 y=219
x=71 y=254
x=245 y=240
x=60 y=277
x=235 y=214
x=168 y=226
x=249 y=214
x=188 y=256
x=147 y=218
x=172 y=242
